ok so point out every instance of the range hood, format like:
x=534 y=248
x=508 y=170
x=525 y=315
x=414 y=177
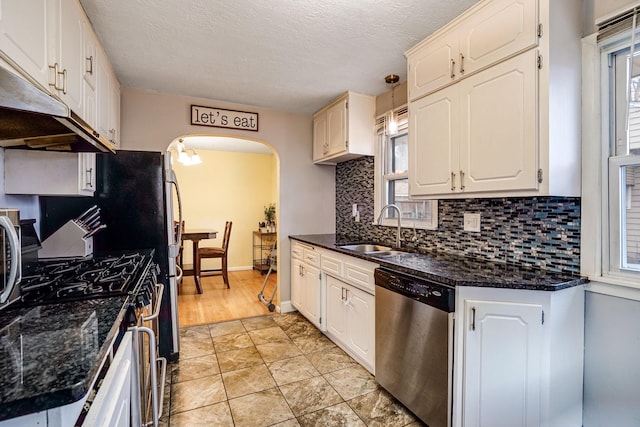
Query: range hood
x=32 y=118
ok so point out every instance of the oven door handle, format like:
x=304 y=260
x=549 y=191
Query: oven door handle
x=156 y=310
x=15 y=254
x=157 y=388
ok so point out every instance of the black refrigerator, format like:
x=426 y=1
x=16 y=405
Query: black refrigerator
x=135 y=191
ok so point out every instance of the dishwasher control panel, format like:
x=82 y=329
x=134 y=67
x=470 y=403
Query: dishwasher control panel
x=435 y=294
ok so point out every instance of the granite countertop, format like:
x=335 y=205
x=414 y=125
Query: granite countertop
x=455 y=270
x=50 y=354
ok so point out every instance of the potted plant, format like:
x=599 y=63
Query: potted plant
x=270 y=216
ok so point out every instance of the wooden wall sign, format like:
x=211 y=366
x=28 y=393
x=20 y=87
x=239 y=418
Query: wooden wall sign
x=221 y=118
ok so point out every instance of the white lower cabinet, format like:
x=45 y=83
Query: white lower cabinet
x=306 y=285
x=351 y=320
x=518 y=358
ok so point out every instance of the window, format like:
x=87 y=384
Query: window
x=392 y=177
x=621 y=113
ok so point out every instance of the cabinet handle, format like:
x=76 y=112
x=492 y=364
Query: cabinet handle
x=453 y=181
x=112 y=131
x=54 y=85
x=453 y=68
x=90 y=65
x=63 y=73
x=342 y=297
x=462 y=186
x=473 y=318
x=89 y=176
x=461 y=63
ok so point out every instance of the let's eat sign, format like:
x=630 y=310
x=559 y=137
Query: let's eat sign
x=221 y=118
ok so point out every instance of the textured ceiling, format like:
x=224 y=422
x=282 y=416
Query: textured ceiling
x=290 y=55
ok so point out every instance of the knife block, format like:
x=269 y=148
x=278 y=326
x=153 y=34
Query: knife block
x=67 y=241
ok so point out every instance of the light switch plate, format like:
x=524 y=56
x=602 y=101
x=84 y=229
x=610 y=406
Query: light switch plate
x=472 y=222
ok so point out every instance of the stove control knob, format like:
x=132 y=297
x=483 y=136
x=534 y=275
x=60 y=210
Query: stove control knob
x=436 y=293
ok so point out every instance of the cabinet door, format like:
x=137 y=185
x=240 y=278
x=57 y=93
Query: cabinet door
x=502 y=364
x=25 y=34
x=320 y=140
x=361 y=323
x=433 y=66
x=498 y=30
x=70 y=53
x=336 y=309
x=296 y=284
x=312 y=294
x=433 y=143
x=337 y=127
x=498 y=121
x=112 y=404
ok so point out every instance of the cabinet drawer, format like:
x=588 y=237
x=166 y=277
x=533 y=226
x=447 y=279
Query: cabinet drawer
x=297 y=250
x=311 y=257
x=360 y=277
x=332 y=265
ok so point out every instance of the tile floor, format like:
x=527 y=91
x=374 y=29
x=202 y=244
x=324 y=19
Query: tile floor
x=276 y=370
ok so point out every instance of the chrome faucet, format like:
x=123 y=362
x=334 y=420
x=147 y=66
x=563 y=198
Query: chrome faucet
x=398 y=235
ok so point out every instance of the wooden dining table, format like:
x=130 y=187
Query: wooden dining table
x=195 y=235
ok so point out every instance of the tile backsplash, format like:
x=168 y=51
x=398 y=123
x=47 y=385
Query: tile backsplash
x=542 y=232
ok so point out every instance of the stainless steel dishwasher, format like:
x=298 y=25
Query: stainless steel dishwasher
x=414 y=343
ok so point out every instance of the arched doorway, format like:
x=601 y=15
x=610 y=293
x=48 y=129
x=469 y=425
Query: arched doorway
x=235 y=180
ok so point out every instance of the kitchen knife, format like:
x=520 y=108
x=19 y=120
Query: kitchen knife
x=94 y=231
x=93 y=223
x=95 y=215
x=86 y=213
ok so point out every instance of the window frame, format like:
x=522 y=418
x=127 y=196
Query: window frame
x=382 y=179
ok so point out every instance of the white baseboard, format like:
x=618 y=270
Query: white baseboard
x=286 y=307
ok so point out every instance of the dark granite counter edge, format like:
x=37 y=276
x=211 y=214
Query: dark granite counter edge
x=328 y=241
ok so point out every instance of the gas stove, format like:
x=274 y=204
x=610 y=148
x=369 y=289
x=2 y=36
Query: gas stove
x=65 y=280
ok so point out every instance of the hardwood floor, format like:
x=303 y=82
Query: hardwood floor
x=217 y=303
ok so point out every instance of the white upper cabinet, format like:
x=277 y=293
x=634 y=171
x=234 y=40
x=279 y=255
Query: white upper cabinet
x=52 y=43
x=69 y=53
x=25 y=36
x=494 y=106
x=344 y=129
x=489 y=33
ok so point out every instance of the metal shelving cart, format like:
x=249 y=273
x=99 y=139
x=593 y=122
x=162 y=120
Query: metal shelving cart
x=262 y=244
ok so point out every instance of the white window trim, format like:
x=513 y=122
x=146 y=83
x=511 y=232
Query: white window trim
x=594 y=246
x=380 y=181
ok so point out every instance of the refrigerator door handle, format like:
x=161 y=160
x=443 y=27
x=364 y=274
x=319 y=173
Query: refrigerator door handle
x=174 y=248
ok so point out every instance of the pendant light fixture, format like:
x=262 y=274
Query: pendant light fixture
x=187 y=157
x=391 y=123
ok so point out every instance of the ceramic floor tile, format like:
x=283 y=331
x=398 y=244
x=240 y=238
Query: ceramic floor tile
x=196 y=394
x=299 y=328
x=289 y=423
x=379 y=409
x=313 y=343
x=278 y=351
x=226 y=328
x=248 y=380
x=337 y=415
x=260 y=322
x=288 y=319
x=268 y=335
x=201 y=331
x=310 y=395
x=239 y=359
x=261 y=409
x=195 y=347
x=329 y=360
x=231 y=342
x=198 y=367
x=352 y=382
x=290 y=370
x=218 y=415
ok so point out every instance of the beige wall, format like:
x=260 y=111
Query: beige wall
x=227 y=186
x=150 y=121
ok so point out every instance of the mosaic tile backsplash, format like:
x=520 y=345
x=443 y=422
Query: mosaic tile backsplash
x=542 y=232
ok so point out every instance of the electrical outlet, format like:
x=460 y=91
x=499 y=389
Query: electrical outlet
x=472 y=222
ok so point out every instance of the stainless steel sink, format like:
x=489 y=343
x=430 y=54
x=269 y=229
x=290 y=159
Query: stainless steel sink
x=366 y=248
x=386 y=253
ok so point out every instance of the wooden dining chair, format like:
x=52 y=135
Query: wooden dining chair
x=218 y=252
